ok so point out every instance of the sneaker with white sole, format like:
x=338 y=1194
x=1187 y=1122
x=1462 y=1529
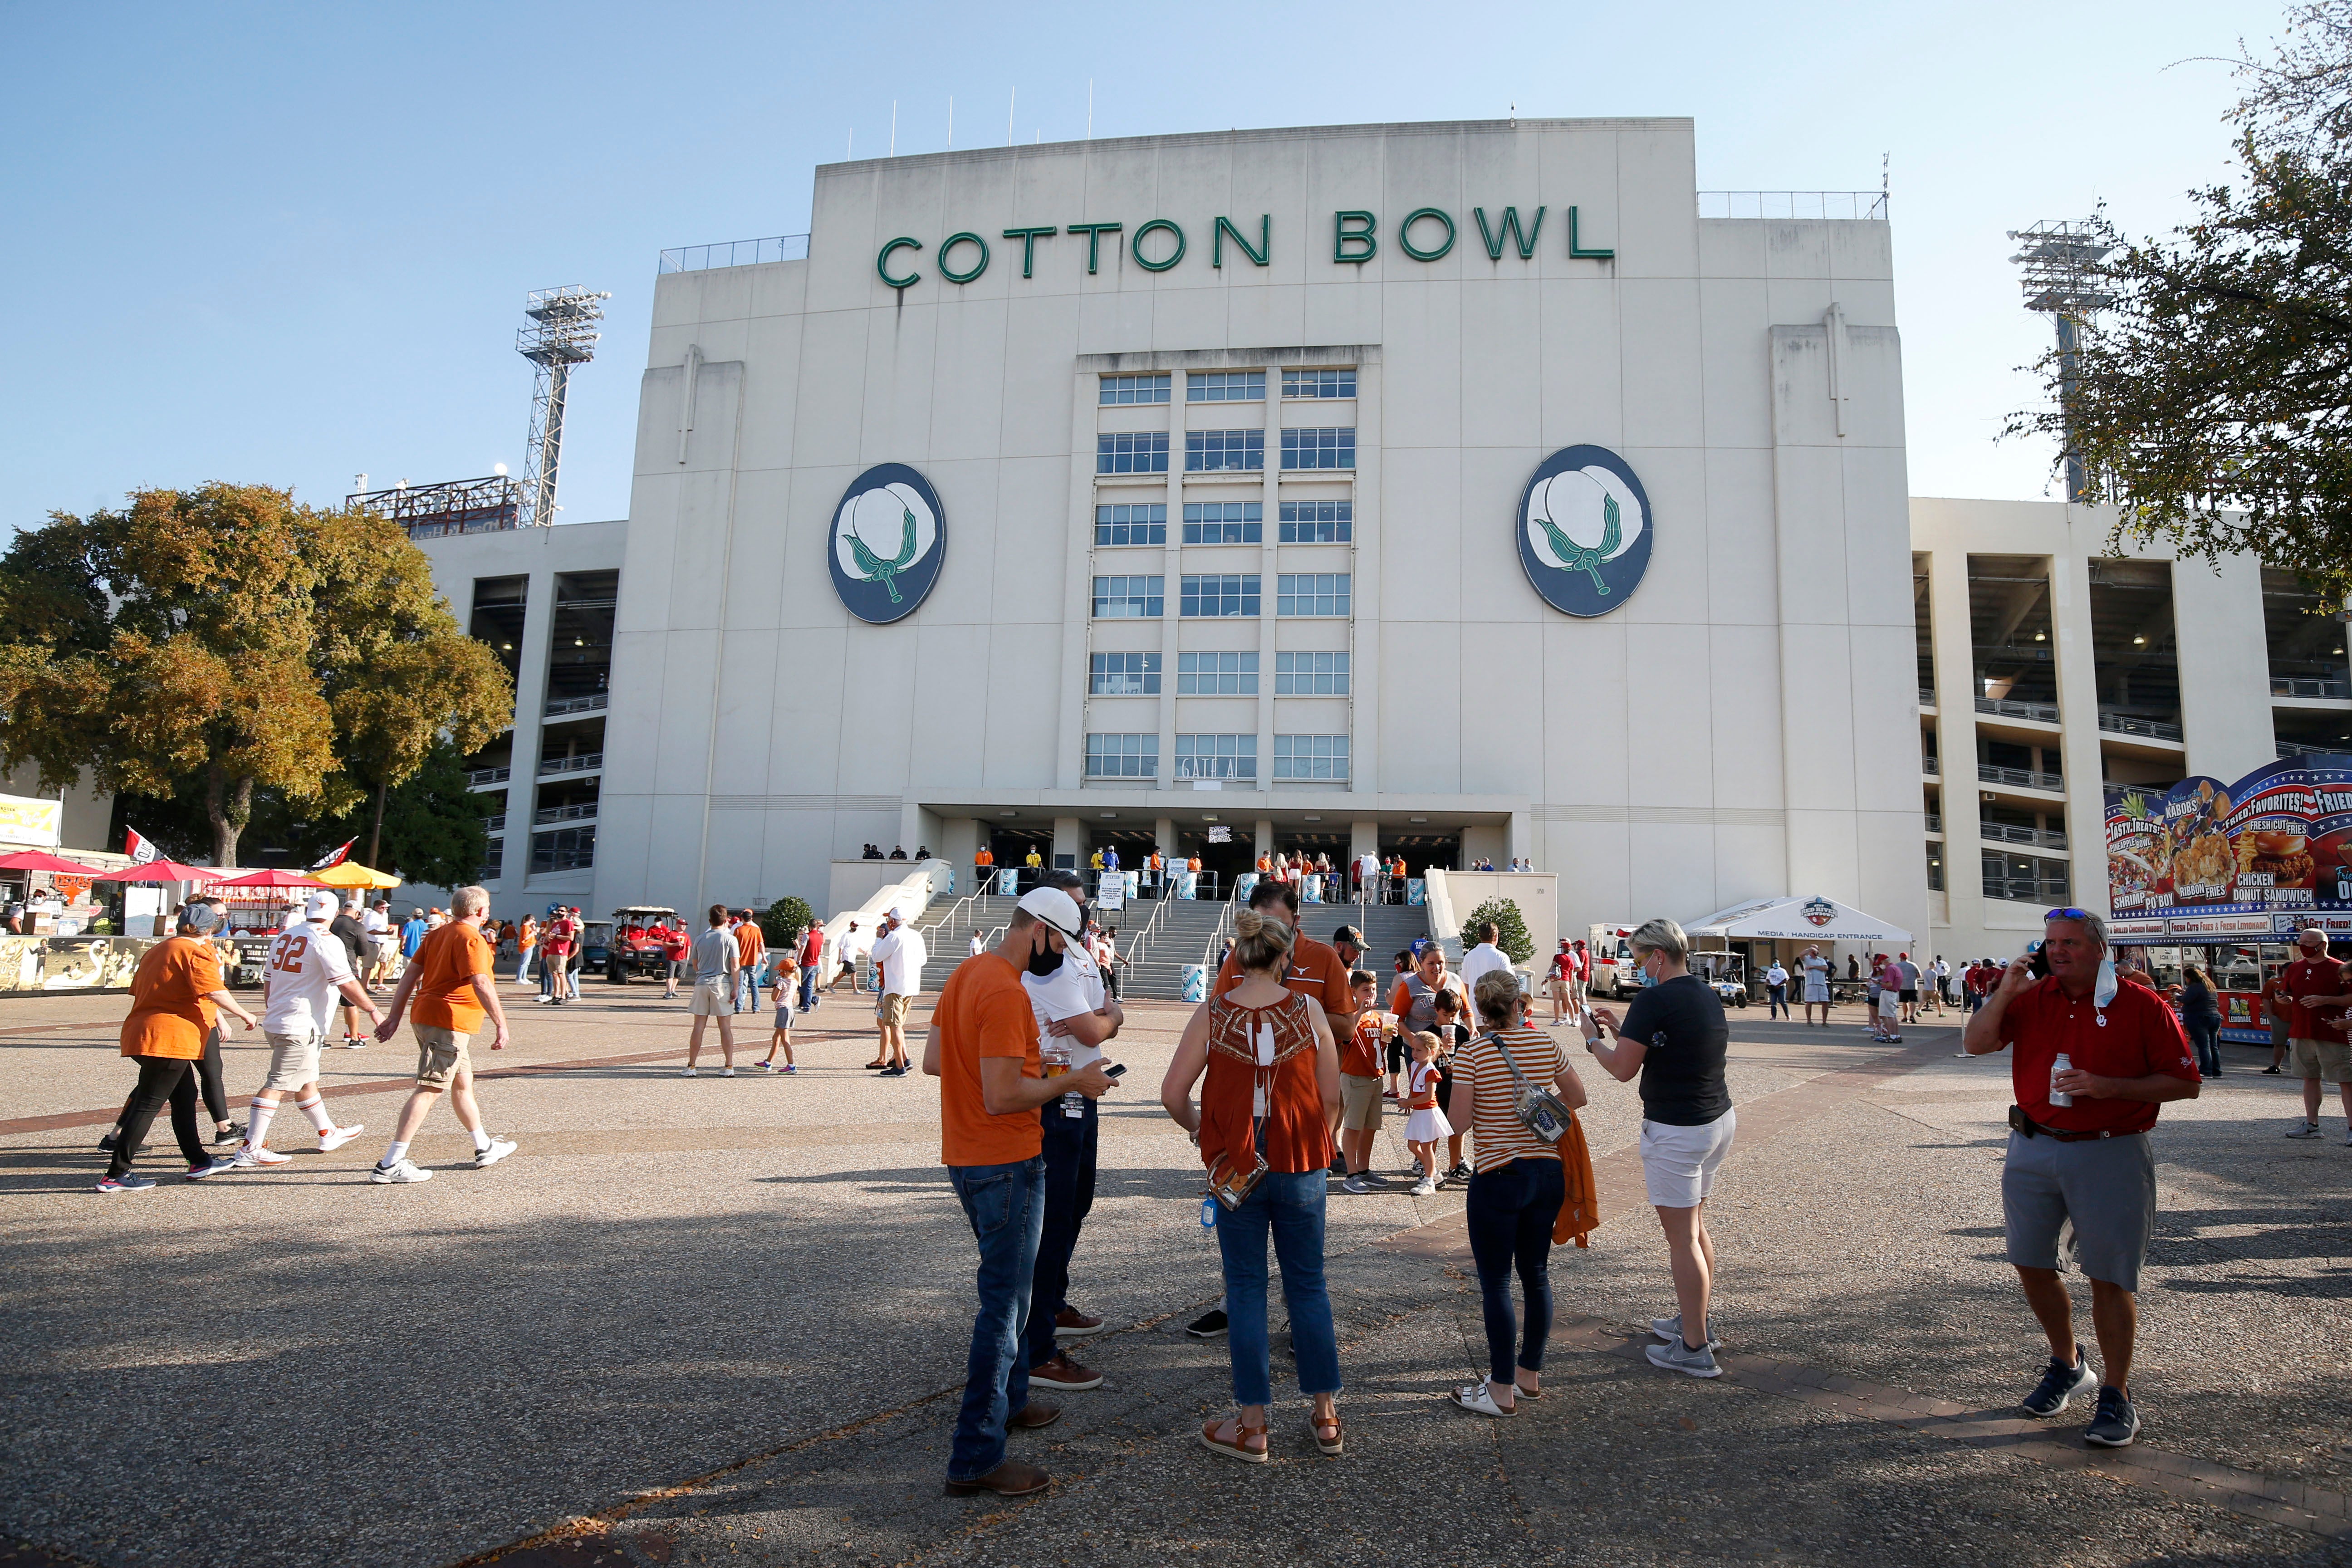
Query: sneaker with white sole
x=211 y=1167
x=2060 y=1382
x=688 y=1073
x=2116 y=1424
x=1670 y=1330
x=335 y=1138
x=251 y=1158
x=407 y=1170
x=498 y=1150
x=1425 y=1188
x=125 y=1184
x=1680 y=1357
x=726 y=1072
x=2303 y=1129
x=1359 y=1184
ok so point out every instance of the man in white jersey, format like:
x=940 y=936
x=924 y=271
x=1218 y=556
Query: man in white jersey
x=1073 y=1013
x=308 y=970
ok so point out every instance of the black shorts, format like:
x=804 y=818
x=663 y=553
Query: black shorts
x=1397 y=1052
x=1908 y=996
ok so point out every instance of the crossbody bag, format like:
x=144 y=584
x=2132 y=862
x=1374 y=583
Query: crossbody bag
x=1539 y=1111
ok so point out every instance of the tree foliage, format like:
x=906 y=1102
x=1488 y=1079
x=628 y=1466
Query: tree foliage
x=228 y=638
x=786 y=920
x=1514 y=940
x=2213 y=399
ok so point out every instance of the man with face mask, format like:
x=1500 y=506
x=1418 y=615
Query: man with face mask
x=983 y=1048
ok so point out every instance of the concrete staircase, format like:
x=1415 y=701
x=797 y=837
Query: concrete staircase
x=1387 y=928
x=1156 y=965
x=947 y=927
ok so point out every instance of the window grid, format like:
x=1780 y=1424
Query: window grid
x=1227 y=451
x=1311 y=593
x=1310 y=675
x=1220 y=594
x=1134 y=389
x=566 y=850
x=1139 y=523
x=1324 y=447
x=1130 y=598
x=1124 y=675
x=1225 y=386
x=1224 y=523
x=1217 y=674
x=1310 y=756
x=1318 y=522
x=1122 y=756
x=1131 y=452
x=1319 y=384
x=1208 y=756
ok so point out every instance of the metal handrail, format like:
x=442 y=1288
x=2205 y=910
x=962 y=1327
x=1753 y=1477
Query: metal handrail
x=1926 y=697
x=587 y=704
x=2024 y=778
x=1794 y=205
x=497 y=823
x=1935 y=822
x=2014 y=832
x=577 y=813
x=735 y=253
x=2296 y=686
x=2041 y=712
x=1141 y=942
x=1928 y=766
x=2123 y=724
x=1216 y=936
x=481 y=776
x=585 y=762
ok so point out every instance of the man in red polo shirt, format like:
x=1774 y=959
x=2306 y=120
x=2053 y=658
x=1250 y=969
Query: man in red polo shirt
x=2316 y=1045
x=2086 y=1160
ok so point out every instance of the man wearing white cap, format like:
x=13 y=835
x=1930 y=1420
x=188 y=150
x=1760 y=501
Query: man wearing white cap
x=308 y=969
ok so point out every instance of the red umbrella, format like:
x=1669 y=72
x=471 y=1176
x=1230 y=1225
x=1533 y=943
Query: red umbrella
x=42 y=861
x=274 y=878
x=159 y=871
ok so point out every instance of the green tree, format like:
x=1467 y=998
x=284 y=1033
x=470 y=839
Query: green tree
x=228 y=638
x=785 y=920
x=2213 y=400
x=1515 y=942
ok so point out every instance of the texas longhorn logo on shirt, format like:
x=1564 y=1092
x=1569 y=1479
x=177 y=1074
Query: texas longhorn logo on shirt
x=1584 y=530
x=888 y=539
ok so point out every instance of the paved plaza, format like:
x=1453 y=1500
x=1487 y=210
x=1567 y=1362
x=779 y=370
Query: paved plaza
x=724 y=1321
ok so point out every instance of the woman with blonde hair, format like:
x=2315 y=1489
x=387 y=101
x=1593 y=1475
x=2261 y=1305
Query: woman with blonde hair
x=1264 y=1124
x=1675 y=1037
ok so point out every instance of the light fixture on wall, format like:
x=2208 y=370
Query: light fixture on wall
x=2139 y=642
x=2041 y=636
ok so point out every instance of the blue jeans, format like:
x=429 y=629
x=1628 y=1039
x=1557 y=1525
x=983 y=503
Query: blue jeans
x=1290 y=1207
x=1511 y=1212
x=808 y=986
x=2205 y=1034
x=747 y=984
x=1006 y=1207
x=1070 y=1142
x=1776 y=999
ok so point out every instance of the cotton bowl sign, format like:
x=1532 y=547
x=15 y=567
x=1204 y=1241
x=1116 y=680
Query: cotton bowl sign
x=1584 y=530
x=889 y=537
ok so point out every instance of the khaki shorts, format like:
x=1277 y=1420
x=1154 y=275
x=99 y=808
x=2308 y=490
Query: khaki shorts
x=713 y=999
x=1360 y=1103
x=2330 y=1061
x=441 y=1055
x=293 y=1060
x=894 y=1009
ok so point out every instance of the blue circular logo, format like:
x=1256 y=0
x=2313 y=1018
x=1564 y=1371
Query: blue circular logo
x=1584 y=530
x=889 y=536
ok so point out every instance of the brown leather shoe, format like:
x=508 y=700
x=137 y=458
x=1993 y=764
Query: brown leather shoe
x=1069 y=1324
x=1066 y=1375
x=1011 y=1479
x=1032 y=1416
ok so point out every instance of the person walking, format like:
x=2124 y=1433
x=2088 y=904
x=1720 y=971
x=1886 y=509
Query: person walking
x=2200 y=1016
x=1555 y=981
x=983 y=1047
x=1776 y=991
x=1515 y=1190
x=1906 y=975
x=555 y=965
x=751 y=946
x=1816 y=971
x=2316 y=983
x=1888 y=1026
x=454 y=989
x=812 y=962
x=671 y=935
x=526 y=943
x=2090 y=1063
x=715 y=957
x=376 y=925
x=346 y=928
x=176 y=997
x=1269 y=1074
x=848 y=953
x=1674 y=1036
x=307 y=970
x=412 y=932
x=899 y=959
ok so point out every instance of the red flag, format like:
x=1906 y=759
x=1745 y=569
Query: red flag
x=140 y=850
x=336 y=858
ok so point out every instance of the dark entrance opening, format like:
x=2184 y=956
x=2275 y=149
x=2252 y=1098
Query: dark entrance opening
x=1228 y=859
x=1422 y=850
x=1011 y=845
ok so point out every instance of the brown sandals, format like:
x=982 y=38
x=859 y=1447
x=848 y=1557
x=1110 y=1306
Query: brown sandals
x=1240 y=1446
x=1333 y=1444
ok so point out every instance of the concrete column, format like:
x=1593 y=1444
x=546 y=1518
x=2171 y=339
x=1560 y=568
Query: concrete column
x=1268 y=579
x=1069 y=839
x=1363 y=838
x=2078 y=743
x=1521 y=836
x=959 y=841
x=1266 y=837
x=1954 y=647
x=1164 y=833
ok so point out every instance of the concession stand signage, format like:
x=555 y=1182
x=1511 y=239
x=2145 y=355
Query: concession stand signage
x=2218 y=860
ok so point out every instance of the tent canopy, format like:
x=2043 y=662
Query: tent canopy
x=1791 y=919
x=274 y=878
x=42 y=861
x=352 y=874
x=159 y=871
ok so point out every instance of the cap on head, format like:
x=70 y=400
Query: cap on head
x=1055 y=908
x=321 y=905
x=1350 y=935
x=198 y=918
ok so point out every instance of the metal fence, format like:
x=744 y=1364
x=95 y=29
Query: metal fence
x=586 y=762
x=735 y=253
x=2125 y=724
x=1794 y=205
x=2013 y=833
x=2024 y=778
x=2002 y=707
x=2283 y=685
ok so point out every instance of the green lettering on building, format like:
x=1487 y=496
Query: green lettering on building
x=1028 y=238
x=1265 y=241
x=1343 y=236
x=1157 y=226
x=978 y=266
x=1404 y=234
x=1508 y=229
x=1578 y=252
x=882 y=262
x=1094 y=233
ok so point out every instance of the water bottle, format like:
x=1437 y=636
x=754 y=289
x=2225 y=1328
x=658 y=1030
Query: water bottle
x=2060 y=1063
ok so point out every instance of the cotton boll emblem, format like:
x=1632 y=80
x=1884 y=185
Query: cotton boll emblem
x=1585 y=532
x=888 y=538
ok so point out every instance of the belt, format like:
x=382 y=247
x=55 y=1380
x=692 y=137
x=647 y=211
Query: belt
x=2021 y=1122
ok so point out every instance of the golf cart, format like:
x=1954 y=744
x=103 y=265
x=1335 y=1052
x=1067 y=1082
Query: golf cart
x=1725 y=973
x=622 y=947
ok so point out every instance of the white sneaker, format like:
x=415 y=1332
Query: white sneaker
x=498 y=1150
x=330 y=1141
x=249 y=1158
x=1425 y=1188
x=405 y=1172
x=726 y=1072
x=688 y=1073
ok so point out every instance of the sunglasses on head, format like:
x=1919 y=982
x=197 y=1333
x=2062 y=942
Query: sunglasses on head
x=2069 y=914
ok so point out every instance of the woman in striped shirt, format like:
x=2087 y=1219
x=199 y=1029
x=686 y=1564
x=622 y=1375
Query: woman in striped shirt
x=1516 y=1189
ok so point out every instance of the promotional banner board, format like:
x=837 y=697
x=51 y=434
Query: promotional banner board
x=2217 y=860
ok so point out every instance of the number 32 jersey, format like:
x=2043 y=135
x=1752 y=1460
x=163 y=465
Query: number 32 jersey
x=306 y=966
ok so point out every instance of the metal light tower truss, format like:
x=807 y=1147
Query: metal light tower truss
x=562 y=333
x=456 y=506
x=2059 y=266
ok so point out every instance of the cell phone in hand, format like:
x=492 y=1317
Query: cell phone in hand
x=1116 y=1069
x=2039 y=965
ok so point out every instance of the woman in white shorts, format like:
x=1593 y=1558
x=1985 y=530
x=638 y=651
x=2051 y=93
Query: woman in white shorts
x=1675 y=1036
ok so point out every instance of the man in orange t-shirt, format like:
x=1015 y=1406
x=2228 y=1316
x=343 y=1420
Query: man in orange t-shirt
x=175 y=997
x=451 y=981
x=750 y=948
x=983 y=1048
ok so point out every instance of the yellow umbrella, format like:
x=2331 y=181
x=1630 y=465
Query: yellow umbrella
x=352 y=874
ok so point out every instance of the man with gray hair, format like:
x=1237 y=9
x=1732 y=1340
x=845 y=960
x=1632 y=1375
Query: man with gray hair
x=2093 y=1060
x=452 y=983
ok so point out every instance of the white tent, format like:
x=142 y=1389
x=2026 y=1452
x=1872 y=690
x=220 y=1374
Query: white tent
x=1796 y=919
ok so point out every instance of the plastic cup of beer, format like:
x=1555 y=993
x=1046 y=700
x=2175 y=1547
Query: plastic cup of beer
x=1056 y=1056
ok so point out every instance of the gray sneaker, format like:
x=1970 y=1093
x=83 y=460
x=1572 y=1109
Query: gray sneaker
x=2060 y=1382
x=1357 y=1184
x=2116 y=1424
x=2303 y=1129
x=1680 y=1357
x=1670 y=1330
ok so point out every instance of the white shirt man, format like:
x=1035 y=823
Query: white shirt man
x=309 y=972
x=1480 y=960
x=979 y=943
x=1073 y=989
x=899 y=957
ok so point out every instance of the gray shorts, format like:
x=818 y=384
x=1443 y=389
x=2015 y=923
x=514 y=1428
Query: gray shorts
x=293 y=1062
x=2104 y=1188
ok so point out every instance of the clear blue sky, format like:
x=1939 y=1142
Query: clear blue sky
x=287 y=244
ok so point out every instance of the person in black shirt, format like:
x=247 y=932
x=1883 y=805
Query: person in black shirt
x=1674 y=1036
x=347 y=929
x=1452 y=1035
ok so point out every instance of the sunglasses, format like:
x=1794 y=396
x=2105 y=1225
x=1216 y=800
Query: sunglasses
x=2069 y=914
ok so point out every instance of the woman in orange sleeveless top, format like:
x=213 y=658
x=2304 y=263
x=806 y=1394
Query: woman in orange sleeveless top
x=1265 y=1127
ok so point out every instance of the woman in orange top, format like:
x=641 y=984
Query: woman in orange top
x=175 y=998
x=1264 y=1124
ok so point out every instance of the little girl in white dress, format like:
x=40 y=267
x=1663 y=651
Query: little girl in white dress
x=1427 y=1127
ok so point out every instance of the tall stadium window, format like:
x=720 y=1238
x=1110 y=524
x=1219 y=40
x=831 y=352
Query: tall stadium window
x=1134 y=389
x=1311 y=593
x=1328 y=447
x=1310 y=756
x=1124 y=675
x=1131 y=524
x=1122 y=756
x=1131 y=452
x=1216 y=756
x=1217 y=674
x=1226 y=386
x=1310 y=674
x=499 y=612
x=566 y=850
x=1225 y=593
x=1225 y=451
x=1319 y=384
x=1130 y=598
x=1318 y=522
x=1224 y=523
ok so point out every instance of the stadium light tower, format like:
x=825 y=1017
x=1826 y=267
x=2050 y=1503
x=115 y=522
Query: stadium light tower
x=2059 y=266
x=562 y=333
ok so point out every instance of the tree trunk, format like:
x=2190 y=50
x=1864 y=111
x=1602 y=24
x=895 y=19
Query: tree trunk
x=375 y=834
x=228 y=802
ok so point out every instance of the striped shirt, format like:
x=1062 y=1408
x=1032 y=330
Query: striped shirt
x=1502 y=1137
